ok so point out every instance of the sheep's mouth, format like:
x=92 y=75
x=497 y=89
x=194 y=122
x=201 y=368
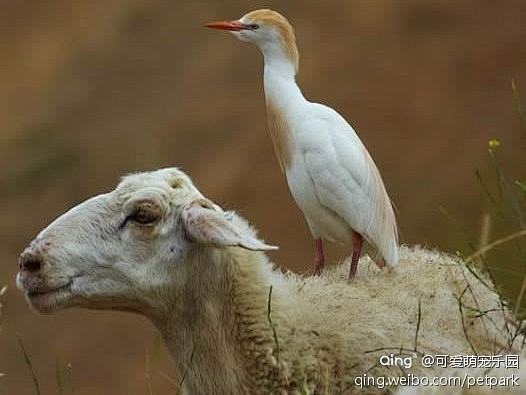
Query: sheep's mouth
x=48 y=299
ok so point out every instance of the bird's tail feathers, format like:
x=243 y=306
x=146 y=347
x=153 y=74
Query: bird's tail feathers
x=382 y=229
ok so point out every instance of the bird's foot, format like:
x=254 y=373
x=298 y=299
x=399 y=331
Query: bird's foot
x=352 y=274
x=354 y=265
x=317 y=269
x=357 y=241
x=319 y=256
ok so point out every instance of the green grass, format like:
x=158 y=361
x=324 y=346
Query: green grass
x=506 y=217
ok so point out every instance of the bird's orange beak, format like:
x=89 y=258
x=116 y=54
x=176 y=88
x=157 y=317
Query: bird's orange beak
x=233 y=26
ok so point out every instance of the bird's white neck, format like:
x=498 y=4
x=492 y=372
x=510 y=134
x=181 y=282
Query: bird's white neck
x=281 y=57
x=279 y=80
x=278 y=62
x=284 y=100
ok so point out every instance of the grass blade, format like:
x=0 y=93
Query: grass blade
x=185 y=373
x=70 y=378
x=274 y=333
x=419 y=319
x=494 y=244
x=58 y=377
x=518 y=302
x=29 y=365
x=507 y=191
x=518 y=107
x=152 y=360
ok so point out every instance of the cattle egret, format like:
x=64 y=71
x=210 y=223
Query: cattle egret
x=330 y=173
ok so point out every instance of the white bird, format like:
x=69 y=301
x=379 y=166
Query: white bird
x=330 y=173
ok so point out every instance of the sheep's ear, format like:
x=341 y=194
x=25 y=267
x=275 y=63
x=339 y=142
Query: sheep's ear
x=206 y=223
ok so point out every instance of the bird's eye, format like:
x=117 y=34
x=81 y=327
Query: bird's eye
x=253 y=26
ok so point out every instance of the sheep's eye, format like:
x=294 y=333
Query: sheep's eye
x=144 y=215
x=176 y=184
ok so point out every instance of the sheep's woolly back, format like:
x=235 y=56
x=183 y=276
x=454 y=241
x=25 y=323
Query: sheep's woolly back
x=444 y=290
x=330 y=331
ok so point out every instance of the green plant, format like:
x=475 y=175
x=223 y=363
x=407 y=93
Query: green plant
x=504 y=256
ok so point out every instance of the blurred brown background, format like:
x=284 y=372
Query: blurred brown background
x=91 y=90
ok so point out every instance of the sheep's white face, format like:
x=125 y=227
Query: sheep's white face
x=119 y=250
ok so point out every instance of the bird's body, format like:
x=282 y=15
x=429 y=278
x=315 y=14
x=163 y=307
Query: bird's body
x=330 y=173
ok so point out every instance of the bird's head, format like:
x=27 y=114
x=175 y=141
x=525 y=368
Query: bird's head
x=268 y=29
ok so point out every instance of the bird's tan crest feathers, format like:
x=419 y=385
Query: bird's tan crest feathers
x=285 y=29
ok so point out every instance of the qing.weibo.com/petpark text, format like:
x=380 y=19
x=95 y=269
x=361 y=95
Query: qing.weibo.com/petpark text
x=465 y=371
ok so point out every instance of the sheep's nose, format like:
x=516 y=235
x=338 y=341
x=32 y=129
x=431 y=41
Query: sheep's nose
x=30 y=262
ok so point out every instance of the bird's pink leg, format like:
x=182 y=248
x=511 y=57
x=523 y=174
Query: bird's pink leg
x=357 y=241
x=319 y=258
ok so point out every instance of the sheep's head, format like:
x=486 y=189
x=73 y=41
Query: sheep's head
x=117 y=250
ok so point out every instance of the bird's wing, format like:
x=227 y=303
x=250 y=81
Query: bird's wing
x=347 y=181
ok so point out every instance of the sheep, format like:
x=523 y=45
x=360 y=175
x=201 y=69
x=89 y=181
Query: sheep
x=236 y=324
